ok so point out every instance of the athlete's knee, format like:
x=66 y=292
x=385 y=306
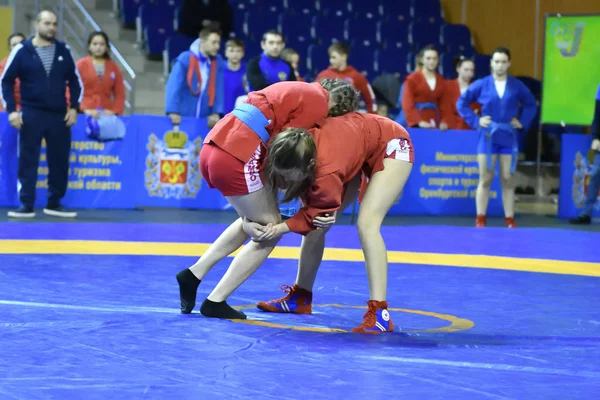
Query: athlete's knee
x=485 y=180
x=506 y=179
x=265 y=219
x=368 y=224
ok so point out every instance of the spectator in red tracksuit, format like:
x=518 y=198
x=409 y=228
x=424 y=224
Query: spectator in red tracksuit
x=339 y=69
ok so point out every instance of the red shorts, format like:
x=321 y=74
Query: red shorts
x=229 y=175
x=400 y=149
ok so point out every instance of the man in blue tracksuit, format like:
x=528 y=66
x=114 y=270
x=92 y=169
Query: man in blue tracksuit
x=269 y=68
x=45 y=68
x=195 y=87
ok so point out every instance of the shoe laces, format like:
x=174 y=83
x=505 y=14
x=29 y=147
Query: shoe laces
x=370 y=317
x=288 y=290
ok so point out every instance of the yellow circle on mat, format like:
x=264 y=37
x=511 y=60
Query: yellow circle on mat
x=456 y=323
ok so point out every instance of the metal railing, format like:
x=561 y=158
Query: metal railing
x=74 y=26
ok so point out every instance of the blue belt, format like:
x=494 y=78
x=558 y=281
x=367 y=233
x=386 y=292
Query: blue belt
x=429 y=106
x=254 y=119
x=489 y=133
x=401 y=119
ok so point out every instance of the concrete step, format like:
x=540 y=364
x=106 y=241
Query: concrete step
x=150 y=110
x=148 y=98
x=151 y=81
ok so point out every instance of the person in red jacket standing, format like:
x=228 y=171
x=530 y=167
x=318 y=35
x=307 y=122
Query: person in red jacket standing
x=104 y=90
x=339 y=69
x=13 y=40
x=465 y=68
x=422 y=95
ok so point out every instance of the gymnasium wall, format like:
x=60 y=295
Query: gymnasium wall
x=512 y=23
x=6 y=28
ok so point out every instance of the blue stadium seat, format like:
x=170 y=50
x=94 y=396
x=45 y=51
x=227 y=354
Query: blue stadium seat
x=260 y=21
x=258 y=5
x=446 y=66
x=155 y=17
x=129 y=11
x=411 y=58
x=393 y=34
x=252 y=49
x=457 y=39
x=297 y=27
x=155 y=39
x=301 y=47
x=318 y=58
x=327 y=32
x=177 y=44
x=239 y=30
x=361 y=33
x=392 y=62
x=482 y=65
x=423 y=33
x=397 y=10
x=456 y=33
x=458 y=49
x=362 y=58
x=426 y=10
x=369 y=9
x=297 y=6
x=170 y=3
x=335 y=8
x=174 y=46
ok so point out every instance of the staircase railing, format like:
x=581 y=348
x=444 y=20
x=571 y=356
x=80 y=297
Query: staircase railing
x=74 y=26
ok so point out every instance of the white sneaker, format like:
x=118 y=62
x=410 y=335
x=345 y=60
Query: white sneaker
x=22 y=212
x=60 y=212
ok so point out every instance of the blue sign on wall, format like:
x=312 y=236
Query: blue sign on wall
x=99 y=173
x=8 y=162
x=157 y=166
x=444 y=178
x=575 y=168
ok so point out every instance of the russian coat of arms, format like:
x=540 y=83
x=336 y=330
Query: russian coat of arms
x=172 y=166
x=581 y=180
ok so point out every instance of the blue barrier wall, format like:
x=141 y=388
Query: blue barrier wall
x=155 y=166
x=575 y=166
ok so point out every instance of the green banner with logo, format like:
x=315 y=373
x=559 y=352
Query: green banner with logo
x=571 y=69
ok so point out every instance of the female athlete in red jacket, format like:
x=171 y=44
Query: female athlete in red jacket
x=324 y=168
x=231 y=161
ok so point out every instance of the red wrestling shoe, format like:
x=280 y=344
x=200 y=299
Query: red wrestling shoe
x=296 y=301
x=510 y=222
x=377 y=319
x=480 y=221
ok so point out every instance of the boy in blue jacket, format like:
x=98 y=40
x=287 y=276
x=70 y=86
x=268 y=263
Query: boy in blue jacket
x=45 y=68
x=195 y=87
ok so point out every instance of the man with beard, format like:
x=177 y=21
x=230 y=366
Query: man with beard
x=45 y=68
x=269 y=67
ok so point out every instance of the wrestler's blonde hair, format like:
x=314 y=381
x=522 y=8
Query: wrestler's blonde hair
x=294 y=148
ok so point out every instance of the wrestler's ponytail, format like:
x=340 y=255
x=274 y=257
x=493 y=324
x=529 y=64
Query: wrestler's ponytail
x=293 y=148
x=342 y=94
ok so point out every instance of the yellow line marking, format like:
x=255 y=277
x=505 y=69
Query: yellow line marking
x=456 y=323
x=98 y=247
